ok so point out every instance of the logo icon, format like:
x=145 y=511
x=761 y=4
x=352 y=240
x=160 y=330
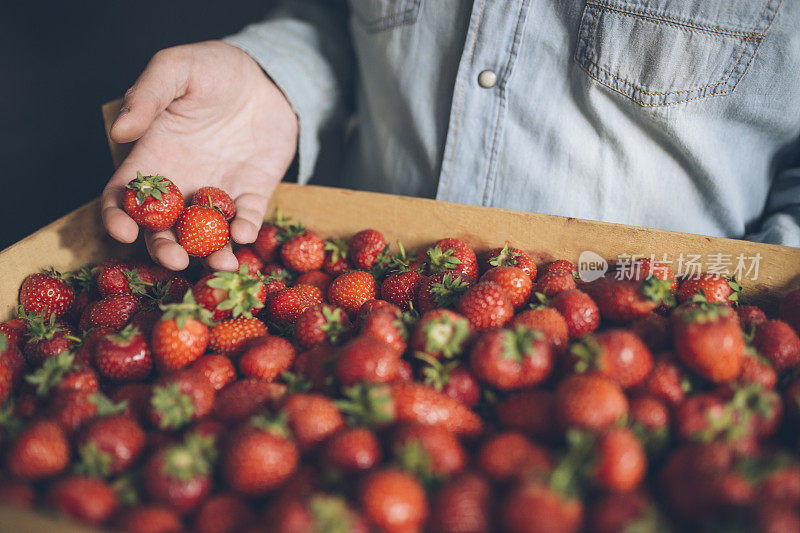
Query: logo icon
x=591 y=266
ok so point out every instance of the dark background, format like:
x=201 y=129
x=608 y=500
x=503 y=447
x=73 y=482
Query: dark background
x=59 y=62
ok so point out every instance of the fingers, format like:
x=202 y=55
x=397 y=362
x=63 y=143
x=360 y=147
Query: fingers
x=165 y=78
x=250 y=210
x=223 y=259
x=119 y=225
x=164 y=249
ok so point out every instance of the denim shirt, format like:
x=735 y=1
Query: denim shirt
x=671 y=114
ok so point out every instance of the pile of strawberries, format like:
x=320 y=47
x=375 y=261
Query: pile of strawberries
x=332 y=386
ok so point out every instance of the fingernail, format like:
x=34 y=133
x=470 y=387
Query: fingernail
x=123 y=110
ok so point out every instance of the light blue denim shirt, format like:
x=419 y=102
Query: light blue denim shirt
x=672 y=114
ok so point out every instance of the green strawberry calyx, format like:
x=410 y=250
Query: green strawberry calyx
x=105 y=407
x=186 y=310
x=190 y=459
x=333 y=326
x=436 y=373
x=448 y=292
x=446 y=335
x=136 y=284
x=518 y=344
x=368 y=405
x=51 y=372
x=277 y=425
x=506 y=257
x=145 y=187
x=84 y=279
x=658 y=290
x=338 y=249
x=175 y=408
x=93 y=461
x=330 y=513
x=242 y=290
x=414 y=458
x=575 y=465
x=441 y=261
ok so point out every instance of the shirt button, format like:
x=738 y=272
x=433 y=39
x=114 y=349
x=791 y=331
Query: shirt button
x=487 y=79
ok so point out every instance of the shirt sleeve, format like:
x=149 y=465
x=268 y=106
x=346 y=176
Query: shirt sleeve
x=305 y=49
x=781 y=222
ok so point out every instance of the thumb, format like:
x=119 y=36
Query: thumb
x=165 y=78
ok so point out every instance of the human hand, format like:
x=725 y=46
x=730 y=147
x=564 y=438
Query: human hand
x=202 y=114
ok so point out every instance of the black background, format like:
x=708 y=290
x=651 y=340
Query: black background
x=59 y=62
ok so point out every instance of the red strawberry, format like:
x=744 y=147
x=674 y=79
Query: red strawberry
x=154 y=202
x=270 y=237
x=530 y=411
x=546 y=320
x=86 y=499
x=620 y=463
x=367 y=359
x=626 y=300
x=561 y=265
x=136 y=399
x=352 y=450
x=123 y=356
x=789 y=310
x=715 y=289
x=245 y=397
x=286 y=306
x=509 y=257
x=335 y=261
x=394 y=501
x=217 y=369
x=441 y=290
x=247 y=257
x=616 y=354
x=321 y=323
x=116 y=277
x=750 y=316
x=317 y=278
x=428 y=451
x=654 y=330
x=12 y=367
x=400 y=288
x=312 y=418
x=590 y=402
x=40 y=451
x=223 y=513
x=202 y=230
x=259 y=458
x=365 y=247
x=110 y=445
x=417 y=403
x=72 y=408
x=534 y=507
x=388 y=324
x=59 y=373
x=303 y=252
x=510 y=456
x=46 y=293
x=511 y=359
x=216 y=198
x=579 y=310
x=709 y=340
x=666 y=381
x=553 y=282
x=180 y=398
x=463 y=504
x=651 y=414
x=149 y=519
x=351 y=289
x=486 y=305
x=452 y=254
x=757 y=369
x=513 y=280
x=777 y=342
x=316 y=365
x=702 y=417
x=229 y=336
x=114 y=312
x=181 y=336
x=46 y=339
x=230 y=294
x=266 y=357
x=179 y=475
x=320 y=512
x=440 y=333
x=14 y=330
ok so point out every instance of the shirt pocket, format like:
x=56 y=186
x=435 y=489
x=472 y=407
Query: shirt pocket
x=670 y=51
x=380 y=15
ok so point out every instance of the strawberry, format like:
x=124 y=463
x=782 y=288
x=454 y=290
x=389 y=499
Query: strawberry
x=750 y=316
x=757 y=369
x=247 y=257
x=216 y=198
x=513 y=257
x=114 y=312
x=223 y=513
x=714 y=288
x=321 y=323
x=709 y=340
x=266 y=357
x=109 y=445
x=230 y=294
x=135 y=397
x=365 y=247
x=553 y=282
x=455 y=381
x=352 y=450
x=589 y=401
x=417 y=403
x=616 y=354
x=463 y=504
x=646 y=268
x=440 y=333
x=286 y=306
x=546 y=320
x=777 y=342
x=317 y=278
x=513 y=280
x=442 y=290
x=312 y=418
x=789 y=310
x=86 y=499
x=319 y=512
x=316 y=365
x=389 y=325
x=149 y=519
x=366 y=359
x=217 y=369
x=627 y=300
x=259 y=457
x=303 y=252
x=393 y=501
x=55 y=375
x=46 y=339
x=243 y=398
x=486 y=305
x=202 y=230
x=12 y=367
x=269 y=239
x=561 y=265
x=620 y=463
x=511 y=359
x=351 y=289
x=632 y=511
x=654 y=330
x=534 y=507
x=702 y=417
x=510 y=456
x=14 y=330
x=46 y=293
x=229 y=336
x=182 y=334
x=452 y=254
x=651 y=415
x=529 y=411
x=400 y=288
x=40 y=451
x=579 y=310
x=335 y=261
x=117 y=278
x=180 y=398
x=179 y=475
x=153 y=202
x=123 y=356
x=429 y=452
